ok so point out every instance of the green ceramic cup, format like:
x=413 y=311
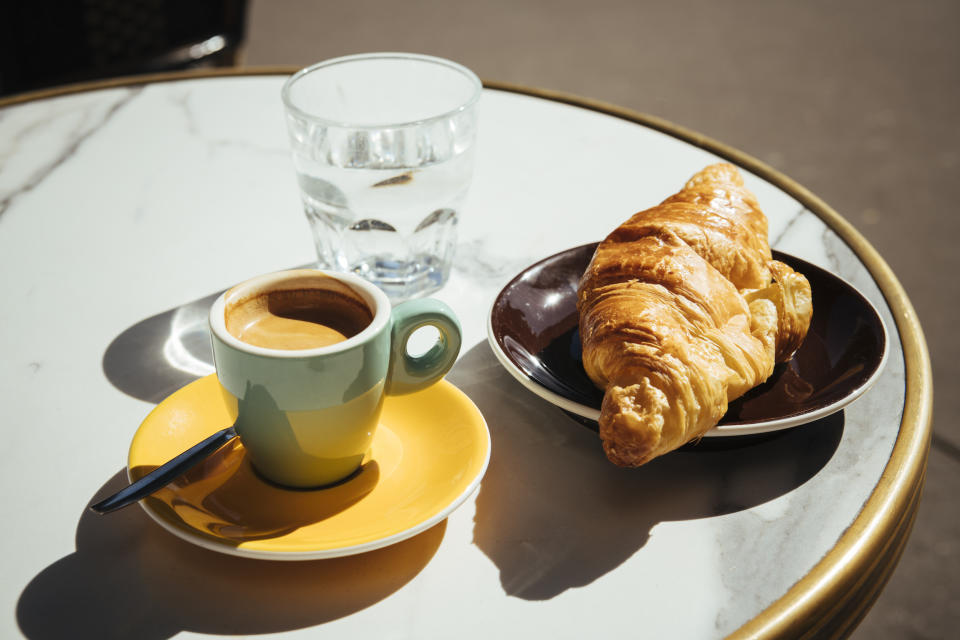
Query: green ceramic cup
x=307 y=417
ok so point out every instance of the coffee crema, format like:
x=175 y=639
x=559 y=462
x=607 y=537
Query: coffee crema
x=295 y=319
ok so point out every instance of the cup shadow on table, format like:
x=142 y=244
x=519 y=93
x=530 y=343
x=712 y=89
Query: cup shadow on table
x=553 y=514
x=128 y=578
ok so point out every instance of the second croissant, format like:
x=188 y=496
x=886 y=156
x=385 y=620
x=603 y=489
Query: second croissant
x=683 y=309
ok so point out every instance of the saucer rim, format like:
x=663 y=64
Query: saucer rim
x=720 y=431
x=189 y=535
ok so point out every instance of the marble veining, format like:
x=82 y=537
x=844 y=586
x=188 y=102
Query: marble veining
x=807 y=512
x=210 y=199
x=775 y=241
x=91 y=121
x=183 y=98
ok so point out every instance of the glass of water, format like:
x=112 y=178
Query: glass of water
x=383 y=145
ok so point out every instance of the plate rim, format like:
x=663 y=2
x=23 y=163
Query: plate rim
x=188 y=534
x=720 y=431
x=834 y=584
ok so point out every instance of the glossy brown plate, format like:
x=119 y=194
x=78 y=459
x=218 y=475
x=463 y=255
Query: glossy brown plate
x=533 y=330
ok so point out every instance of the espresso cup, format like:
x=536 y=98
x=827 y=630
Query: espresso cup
x=307 y=357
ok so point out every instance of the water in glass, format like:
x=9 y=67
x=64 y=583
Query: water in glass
x=392 y=223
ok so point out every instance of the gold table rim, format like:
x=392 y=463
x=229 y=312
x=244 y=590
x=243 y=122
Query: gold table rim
x=836 y=582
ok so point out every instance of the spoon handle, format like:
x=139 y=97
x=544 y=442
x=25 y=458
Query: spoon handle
x=162 y=475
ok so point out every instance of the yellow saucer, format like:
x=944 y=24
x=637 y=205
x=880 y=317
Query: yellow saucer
x=428 y=455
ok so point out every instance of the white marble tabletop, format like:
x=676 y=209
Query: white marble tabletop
x=123 y=209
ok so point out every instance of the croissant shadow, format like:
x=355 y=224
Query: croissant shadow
x=553 y=514
x=130 y=579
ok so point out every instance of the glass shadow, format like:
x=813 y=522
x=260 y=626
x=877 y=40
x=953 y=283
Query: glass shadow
x=158 y=355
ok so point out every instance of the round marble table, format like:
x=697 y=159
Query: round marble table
x=125 y=205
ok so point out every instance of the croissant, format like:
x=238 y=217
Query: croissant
x=683 y=309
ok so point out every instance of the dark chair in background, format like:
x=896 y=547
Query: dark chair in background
x=44 y=44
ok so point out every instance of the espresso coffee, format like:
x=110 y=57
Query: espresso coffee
x=294 y=319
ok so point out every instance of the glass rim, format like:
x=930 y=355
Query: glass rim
x=387 y=55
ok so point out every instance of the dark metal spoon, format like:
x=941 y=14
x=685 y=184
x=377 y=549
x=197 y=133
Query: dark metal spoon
x=162 y=475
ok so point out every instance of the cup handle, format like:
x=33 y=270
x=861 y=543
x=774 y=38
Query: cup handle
x=409 y=373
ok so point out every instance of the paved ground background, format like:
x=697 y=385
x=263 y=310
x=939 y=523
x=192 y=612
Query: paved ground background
x=857 y=100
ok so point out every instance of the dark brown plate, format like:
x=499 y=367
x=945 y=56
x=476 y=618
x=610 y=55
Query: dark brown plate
x=533 y=330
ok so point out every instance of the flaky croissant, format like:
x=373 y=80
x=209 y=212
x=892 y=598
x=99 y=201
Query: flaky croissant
x=683 y=309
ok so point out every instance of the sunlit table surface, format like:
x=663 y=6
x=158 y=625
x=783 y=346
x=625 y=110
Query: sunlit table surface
x=125 y=206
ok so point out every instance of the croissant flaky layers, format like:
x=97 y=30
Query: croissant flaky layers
x=683 y=309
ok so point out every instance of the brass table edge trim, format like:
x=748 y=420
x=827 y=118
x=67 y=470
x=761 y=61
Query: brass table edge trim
x=838 y=619
x=888 y=505
x=863 y=601
x=148 y=78
x=880 y=517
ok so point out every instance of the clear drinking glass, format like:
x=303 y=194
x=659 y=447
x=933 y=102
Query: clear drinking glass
x=383 y=145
